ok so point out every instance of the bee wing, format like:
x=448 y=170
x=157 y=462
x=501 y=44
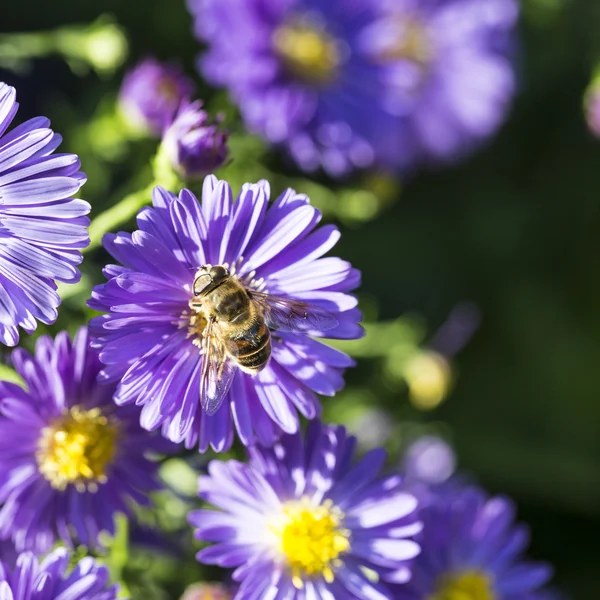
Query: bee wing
x=217 y=370
x=286 y=314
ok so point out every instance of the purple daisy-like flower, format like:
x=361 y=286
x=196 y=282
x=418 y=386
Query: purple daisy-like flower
x=471 y=548
x=151 y=338
x=51 y=579
x=304 y=521
x=349 y=84
x=449 y=71
x=70 y=458
x=152 y=93
x=42 y=229
x=194 y=145
x=300 y=74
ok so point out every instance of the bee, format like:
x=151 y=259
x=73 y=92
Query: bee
x=239 y=321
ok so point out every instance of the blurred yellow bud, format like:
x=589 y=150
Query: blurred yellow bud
x=429 y=377
x=106 y=47
x=101 y=45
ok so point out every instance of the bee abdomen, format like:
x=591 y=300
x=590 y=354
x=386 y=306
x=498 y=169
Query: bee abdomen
x=254 y=351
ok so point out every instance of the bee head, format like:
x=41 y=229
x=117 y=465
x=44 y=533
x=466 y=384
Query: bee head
x=208 y=278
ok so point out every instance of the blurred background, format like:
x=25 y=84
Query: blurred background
x=504 y=246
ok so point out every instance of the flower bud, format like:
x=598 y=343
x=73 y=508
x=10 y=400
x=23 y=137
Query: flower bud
x=194 y=145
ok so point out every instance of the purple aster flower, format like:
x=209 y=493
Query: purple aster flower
x=449 y=73
x=346 y=85
x=42 y=229
x=302 y=520
x=194 y=145
x=300 y=73
x=151 y=94
x=51 y=579
x=471 y=548
x=70 y=458
x=153 y=335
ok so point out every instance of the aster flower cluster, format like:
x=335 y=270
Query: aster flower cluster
x=340 y=85
x=219 y=316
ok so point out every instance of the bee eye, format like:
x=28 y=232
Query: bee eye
x=217 y=273
x=201 y=283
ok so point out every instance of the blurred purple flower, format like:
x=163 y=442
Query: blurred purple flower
x=450 y=77
x=348 y=84
x=299 y=74
x=194 y=146
x=49 y=580
x=150 y=338
x=42 y=229
x=471 y=548
x=70 y=459
x=430 y=460
x=151 y=94
x=457 y=330
x=302 y=520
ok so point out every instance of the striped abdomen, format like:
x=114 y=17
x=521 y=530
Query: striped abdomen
x=253 y=341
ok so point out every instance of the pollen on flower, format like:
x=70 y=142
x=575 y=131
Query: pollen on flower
x=311 y=539
x=77 y=448
x=474 y=585
x=308 y=52
x=196 y=324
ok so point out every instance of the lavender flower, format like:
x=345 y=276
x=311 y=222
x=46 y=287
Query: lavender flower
x=347 y=85
x=151 y=94
x=449 y=72
x=302 y=521
x=151 y=338
x=49 y=580
x=471 y=548
x=42 y=228
x=70 y=459
x=193 y=145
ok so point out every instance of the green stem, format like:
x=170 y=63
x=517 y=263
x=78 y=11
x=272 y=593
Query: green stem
x=101 y=45
x=118 y=214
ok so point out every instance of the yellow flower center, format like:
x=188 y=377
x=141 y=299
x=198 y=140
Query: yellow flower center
x=77 y=448
x=468 y=585
x=412 y=43
x=311 y=539
x=307 y=52
x=196 y=323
